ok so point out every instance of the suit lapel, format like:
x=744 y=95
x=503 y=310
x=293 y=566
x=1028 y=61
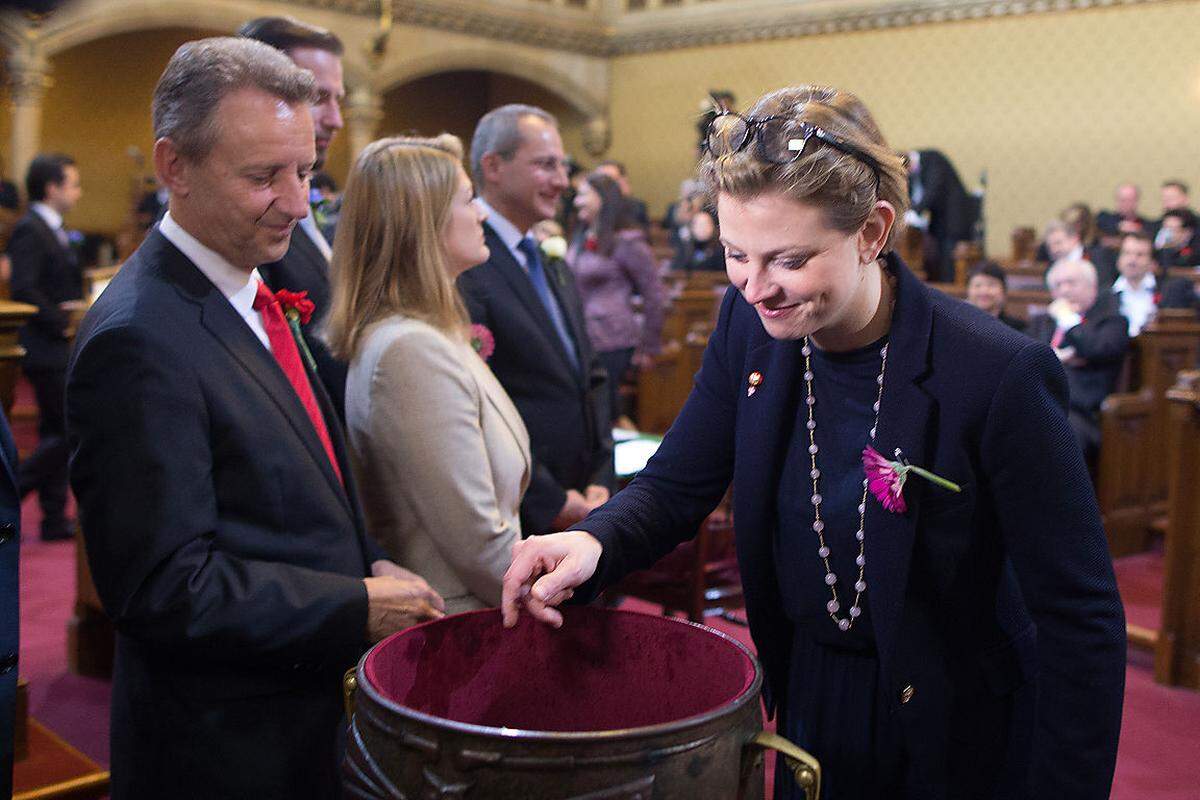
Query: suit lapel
x=560 y=287
x=220 y=319
x=490 y=387
x=906 y=419
x=518 y=280
x=764 y=430
x=64 y=254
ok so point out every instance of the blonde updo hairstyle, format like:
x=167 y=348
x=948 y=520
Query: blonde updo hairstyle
x=388 y=256
x=840 y=184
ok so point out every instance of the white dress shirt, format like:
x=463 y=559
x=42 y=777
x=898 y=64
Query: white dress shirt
x=238 y=286
x=53 y=219
x=309 y=226
x=508 y=233
x=1137 y=305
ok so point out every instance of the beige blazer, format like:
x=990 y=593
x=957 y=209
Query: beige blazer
x=441 y=457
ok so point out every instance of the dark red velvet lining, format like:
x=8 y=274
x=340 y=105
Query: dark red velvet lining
x=603 y=670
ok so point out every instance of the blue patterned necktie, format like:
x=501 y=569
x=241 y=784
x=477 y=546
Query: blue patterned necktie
x=537 y=276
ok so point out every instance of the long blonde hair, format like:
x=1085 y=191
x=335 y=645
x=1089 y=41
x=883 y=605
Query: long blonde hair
x=388 y=256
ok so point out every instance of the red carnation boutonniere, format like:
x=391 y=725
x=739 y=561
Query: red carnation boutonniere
x=298 y=310
x=1157 y=299
x=591 y=244
x=482 y=341
x=885 y=479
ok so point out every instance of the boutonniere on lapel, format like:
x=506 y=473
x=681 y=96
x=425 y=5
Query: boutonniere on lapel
x=753 y=381
x=554 y=251
x=298 y=310
x=75 y=239
x=482 y=341
x=885 y=478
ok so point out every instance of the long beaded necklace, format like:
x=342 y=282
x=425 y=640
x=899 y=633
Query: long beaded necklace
x=860 y=586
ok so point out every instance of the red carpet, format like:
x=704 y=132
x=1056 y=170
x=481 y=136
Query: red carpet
x=1157 y=759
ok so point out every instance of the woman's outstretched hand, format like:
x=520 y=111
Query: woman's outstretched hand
x=544 y=573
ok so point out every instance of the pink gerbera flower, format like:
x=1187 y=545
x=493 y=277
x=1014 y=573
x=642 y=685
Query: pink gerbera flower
x=885 y=479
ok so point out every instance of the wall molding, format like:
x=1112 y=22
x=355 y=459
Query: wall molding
x=697 y=25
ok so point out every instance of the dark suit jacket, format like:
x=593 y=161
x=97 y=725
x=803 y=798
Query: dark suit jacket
x=304 y=269
x=980 y=601
x=1108 y=222
x=951 y=210
x=10 y=547
x=44 y=274
x=222 y=545
x=1179 y=293
x=565 y=411
x=1101 y=342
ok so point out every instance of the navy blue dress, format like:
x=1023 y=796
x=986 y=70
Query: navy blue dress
x=832 y=709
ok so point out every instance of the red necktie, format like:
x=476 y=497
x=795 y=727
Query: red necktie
x=283 y=347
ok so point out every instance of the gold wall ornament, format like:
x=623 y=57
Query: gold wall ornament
x=597 y=135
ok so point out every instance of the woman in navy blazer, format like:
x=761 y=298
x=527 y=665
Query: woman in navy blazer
x=970 y=644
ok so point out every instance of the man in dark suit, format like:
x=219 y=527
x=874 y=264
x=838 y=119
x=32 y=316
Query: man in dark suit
x=529 y=301
x=1123 y=219
x=1090 y=338
x=46 y=273
x=305 y=266
x=217 y=503
x=10 y=547
x=935 y=187
x=1180 y=244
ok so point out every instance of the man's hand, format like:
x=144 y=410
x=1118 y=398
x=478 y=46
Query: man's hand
x=544 y=573
x=383 y=567
x=395 y=603
x=574 y=509
x=595 y=496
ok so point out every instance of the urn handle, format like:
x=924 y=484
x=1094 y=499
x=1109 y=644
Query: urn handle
x=349 y=687
x=805 y=769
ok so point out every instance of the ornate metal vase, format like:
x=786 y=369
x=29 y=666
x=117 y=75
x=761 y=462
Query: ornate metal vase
x=612 y=706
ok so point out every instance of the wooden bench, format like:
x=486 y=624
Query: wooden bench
x=1132 y=474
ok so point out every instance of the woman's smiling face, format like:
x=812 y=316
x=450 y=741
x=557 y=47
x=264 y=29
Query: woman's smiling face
x=801 y=275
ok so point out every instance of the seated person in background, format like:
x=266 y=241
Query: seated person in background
x=703 y=251
x=1124 y=217
x=1091 y=340
x=1136 y=289
x=1178 y=237
x=612 y=262
x=679 y=213
x=1174 y=198
x=987 y=290
x=439 y=448
x=1066 y=241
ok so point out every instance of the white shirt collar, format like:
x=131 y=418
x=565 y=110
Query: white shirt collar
x=1149 y=284
x=238 y=286
x=508 y=233
x=52 y=217
x=309 y=226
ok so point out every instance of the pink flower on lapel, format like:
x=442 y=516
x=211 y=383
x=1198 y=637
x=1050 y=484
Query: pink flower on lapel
x=885 y=479
x=482 y=341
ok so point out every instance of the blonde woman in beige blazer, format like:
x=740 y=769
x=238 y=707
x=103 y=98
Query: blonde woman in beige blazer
x=439 y=450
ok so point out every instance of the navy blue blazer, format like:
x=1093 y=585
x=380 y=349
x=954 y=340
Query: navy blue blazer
x=998 y=605
x=10 y=547
x=223 y=547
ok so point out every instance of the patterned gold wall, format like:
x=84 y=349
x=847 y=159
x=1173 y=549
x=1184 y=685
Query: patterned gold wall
x=1055 y=107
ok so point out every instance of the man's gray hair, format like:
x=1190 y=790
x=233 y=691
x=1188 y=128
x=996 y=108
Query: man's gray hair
x=1082 y=266
x=203 y=72
x=499 y=132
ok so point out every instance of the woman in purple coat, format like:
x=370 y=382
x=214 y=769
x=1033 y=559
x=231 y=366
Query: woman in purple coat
x=612 y=262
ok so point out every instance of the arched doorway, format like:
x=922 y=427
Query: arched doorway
x=454 y=100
